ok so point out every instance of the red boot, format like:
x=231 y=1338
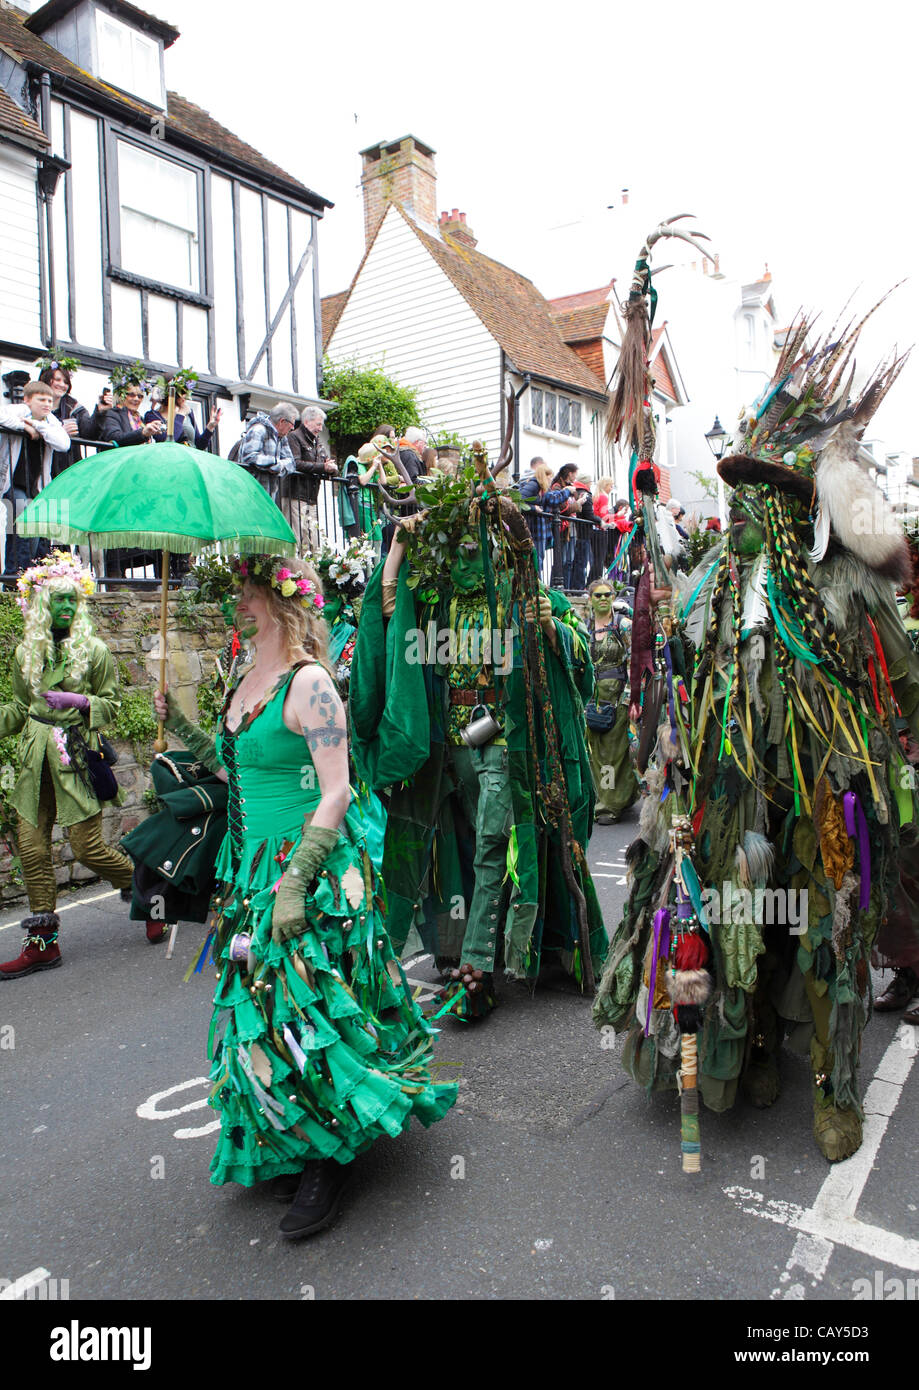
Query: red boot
x=156 y=931
x=40 y=951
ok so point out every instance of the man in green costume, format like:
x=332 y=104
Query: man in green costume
x=64 y=691
x=486 y=835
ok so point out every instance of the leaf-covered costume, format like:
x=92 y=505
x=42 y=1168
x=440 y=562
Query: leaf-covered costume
x=401 y=721
x=320 y=1049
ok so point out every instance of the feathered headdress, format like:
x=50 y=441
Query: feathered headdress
x=802 y=436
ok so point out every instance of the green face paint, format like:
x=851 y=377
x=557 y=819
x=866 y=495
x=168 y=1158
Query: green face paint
x=467 y=572
x=63 y=608
x=333 y=608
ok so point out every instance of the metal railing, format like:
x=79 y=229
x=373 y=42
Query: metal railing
x=572 y=551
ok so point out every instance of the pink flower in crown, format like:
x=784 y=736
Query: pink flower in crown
x=282 y=574
x=244 y=569
x=302 y=586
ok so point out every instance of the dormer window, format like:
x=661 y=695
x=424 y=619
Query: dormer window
x=112 y=40
x=129 y=59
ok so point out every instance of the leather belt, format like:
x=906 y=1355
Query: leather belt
x=483 y=696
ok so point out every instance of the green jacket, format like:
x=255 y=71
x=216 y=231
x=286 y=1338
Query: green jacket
x=398 y=719
x=28 y=712
x=175 y=850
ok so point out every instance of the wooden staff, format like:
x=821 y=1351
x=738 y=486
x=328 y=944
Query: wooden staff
x=159 y=743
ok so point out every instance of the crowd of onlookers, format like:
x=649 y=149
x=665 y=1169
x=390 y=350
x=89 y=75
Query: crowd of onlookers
x=573 y=519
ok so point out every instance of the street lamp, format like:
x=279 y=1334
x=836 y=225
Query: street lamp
x=717 y=440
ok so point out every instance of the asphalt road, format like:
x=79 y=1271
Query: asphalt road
x=554 y=1177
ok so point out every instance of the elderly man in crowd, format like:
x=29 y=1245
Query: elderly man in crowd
x=313 y=466
x=265 y=449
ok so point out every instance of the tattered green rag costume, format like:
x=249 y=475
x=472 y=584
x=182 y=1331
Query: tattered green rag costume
x=400 y=720
x=781 y=819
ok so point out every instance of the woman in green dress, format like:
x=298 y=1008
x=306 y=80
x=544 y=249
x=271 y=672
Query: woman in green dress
x=317 y=1046
x=610 y=764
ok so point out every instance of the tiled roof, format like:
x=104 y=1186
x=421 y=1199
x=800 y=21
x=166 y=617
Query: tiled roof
x=15 y=125
x=585 y=299
x=663 y=381
x=331 y=308
x=185 y=122
x=187 y=119
x=512 y=309
x=582 y=324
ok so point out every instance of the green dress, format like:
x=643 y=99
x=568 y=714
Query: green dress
x=320 y=1049
x=610 y=763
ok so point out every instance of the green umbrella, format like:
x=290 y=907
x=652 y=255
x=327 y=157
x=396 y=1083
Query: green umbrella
x=162 y=497
x=165 y=497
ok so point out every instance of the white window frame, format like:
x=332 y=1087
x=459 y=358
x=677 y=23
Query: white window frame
x=126 y=79
x=158 y=214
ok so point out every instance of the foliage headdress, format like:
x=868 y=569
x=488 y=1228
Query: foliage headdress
x=122 y=376
x=55 y=360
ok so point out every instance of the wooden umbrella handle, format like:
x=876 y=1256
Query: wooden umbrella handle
x=159 y=743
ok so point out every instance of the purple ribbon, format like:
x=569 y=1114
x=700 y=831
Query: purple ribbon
x=851 y=806
x=670 y=708
x=661 y=938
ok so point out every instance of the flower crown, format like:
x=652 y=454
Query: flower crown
x=56 y=572
x=269 y=569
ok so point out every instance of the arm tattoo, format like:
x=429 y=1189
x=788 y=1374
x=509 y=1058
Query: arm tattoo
x=329 y=733
x=328 y=736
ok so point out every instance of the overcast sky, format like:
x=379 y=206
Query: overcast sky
x=789 y=129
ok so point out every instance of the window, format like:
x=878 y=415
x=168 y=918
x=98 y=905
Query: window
x=558 y=413
x=159 y=218
x=536 y=407
x=128 y=59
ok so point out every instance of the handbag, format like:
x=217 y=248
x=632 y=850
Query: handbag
x=600 y=717
x=95 y=768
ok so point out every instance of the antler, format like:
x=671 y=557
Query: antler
x=507 y=449
x=393 y=456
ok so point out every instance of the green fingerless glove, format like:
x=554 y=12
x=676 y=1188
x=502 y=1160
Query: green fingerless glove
x=196 y=740
x=288 y=918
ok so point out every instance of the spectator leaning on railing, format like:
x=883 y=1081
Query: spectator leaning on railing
x=74 y=417
x=29 y=436
x=310 y=458
x=265 y=449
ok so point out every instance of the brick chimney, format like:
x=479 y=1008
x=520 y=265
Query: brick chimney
x=400 y=171
x=453 y=224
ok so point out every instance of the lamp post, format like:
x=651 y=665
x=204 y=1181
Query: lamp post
x=717 y=440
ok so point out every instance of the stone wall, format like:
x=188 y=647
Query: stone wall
x=128 y=623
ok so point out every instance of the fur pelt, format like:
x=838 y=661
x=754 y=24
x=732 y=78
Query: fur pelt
x=842 y=577
x=688 y=986
x=858 y=513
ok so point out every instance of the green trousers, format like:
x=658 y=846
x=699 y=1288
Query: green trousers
x=485 y=793
x=89 y=849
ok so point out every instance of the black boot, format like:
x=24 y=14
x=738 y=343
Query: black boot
x=316 y=1203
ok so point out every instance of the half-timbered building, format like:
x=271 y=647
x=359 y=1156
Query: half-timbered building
x=134 y=226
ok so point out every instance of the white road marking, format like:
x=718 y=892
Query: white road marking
x=65 y=907
x=611 y=864
x=619 y=879
x=832 y=1219
x=20 y=1287
x=148 y=1111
